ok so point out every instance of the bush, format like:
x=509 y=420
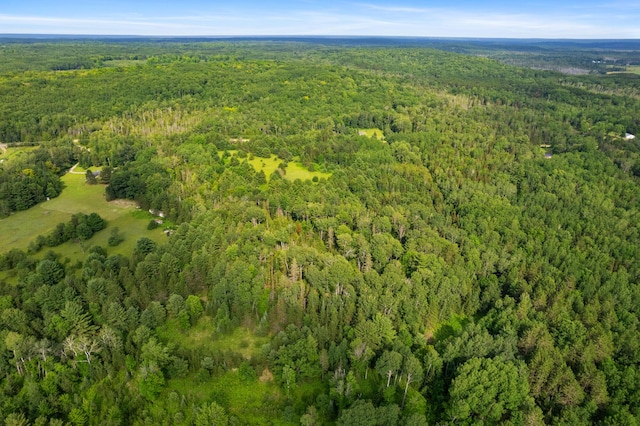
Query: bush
x=263 y=152
x=153 y=224
x=95 y=222
x=115 y=238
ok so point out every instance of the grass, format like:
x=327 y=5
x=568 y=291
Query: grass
x=294 y=170
x=16 y=152
x=630 y=69
x=203 y=334
x=123 y=63
x=370 y=133
x=82 y=170
x=19 y=229
x=297 y=171
x=268 y=165
x=132 y=228
x=251 y=402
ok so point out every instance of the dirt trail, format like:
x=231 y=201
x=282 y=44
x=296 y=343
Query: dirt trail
x=73 y=172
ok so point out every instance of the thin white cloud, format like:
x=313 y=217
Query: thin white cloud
x=400 y=9
x=372 y=20
x=612 y=6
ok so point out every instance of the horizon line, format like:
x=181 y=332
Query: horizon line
x=303 y=36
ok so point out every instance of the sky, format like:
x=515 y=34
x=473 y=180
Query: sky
x=573 y=19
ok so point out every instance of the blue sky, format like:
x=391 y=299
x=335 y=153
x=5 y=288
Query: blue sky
x=528 y=19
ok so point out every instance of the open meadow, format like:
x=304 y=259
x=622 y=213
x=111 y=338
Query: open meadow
x=8 y=153
x=629 y=69
x=372 y=133
x=19 y=229
x=293 y=171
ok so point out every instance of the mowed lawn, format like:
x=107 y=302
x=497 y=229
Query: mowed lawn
x=19 y=229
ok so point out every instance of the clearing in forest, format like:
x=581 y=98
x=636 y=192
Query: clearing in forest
x=202 y=335
x=629 y=69
x=294 y=170
x=372 y=133
x=8 y=152
x=19 y=229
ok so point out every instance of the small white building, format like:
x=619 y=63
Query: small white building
x=629 y=136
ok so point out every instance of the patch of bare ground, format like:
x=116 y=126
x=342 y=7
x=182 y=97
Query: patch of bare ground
x=429 y=336
x=267 y=376
x=123 y=203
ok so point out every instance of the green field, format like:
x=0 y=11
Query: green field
x=203 y=335
x=370 y=133
x=246 y=400
x=268 y=165
x=297 y=171
x=630 y=69
x=250 y=402
x=294 y=170
x=123 y=63
x=16 y=152
x=81 y=170
x=19 y=229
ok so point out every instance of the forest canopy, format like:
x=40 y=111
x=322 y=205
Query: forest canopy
x=356 y=235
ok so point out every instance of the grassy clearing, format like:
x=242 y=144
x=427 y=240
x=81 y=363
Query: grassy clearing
x=203 y=334
x=297 y=171
x=372 y=133
x=630 y=69
x=294 y=170
x=19 y=229
x=16 y=152
x=131 y=227
x=123 y=63
x=268 y=165
x=252 y=402
x=79 y=169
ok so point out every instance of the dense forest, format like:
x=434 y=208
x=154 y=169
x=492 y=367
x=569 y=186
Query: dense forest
x=442 y=238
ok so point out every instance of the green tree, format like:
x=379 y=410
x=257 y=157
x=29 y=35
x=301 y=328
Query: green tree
x=90 y=178
x=95 y=222
x=51 y=271
x=115 y=237
x=194 y=308
x=289 y=379
x=361 y=413
x=414 y=373
x=388 y=364
x=105 y=175
x=211 y=414
x=488 y=390
x=144 y=246
x=84 y=232
x=151 y=381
